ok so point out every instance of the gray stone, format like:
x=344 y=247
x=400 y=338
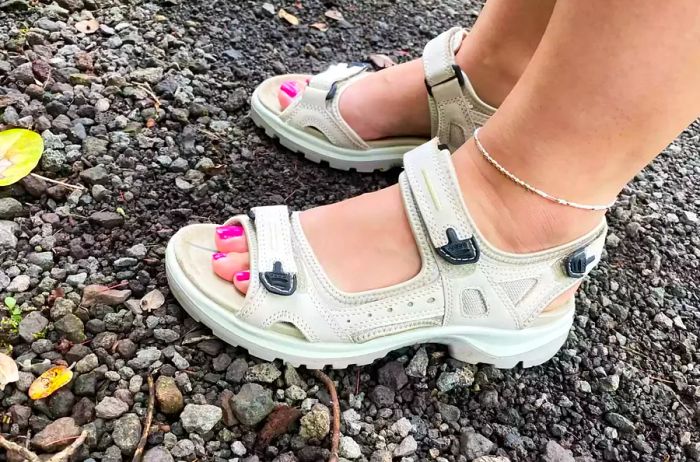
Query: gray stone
x=418 y=366
x=87 y=364
x=9 y=208
x=107 y=219
x=32 y=324
x=110 y=408
x=19 y=283
x=71 y=327
x=138 y=251
x=200 y=418
x=473 y=445
x=145 y=357
x=463 y=377
x=127 y=433
x=620 y=422
x=183 y=450
x=152 y=75
x=393 y=375
x=555 y=453
x=43 y=260
x=407 y=447
x=54 y=160
x=382 y=396
x=252 y=404
x=236 y=371
x=166 y=335
x=157 y=454
x=56 y=435
x=349 y=448
x=449 y=412
x=95 y=175
x=94 y=146
x=8 y=231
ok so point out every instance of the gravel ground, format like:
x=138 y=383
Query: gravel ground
x=150 y=115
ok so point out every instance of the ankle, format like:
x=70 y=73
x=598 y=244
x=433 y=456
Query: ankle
x=511 y=218
x=492 y=71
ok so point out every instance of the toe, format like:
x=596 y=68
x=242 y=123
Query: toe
x=289 y=90
x=241 y=280
x=231 y=239
x=226 y=266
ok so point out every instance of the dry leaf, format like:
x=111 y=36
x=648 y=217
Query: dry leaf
x=335 y=14
x=381 y=61
x=152 y=300
x=87 y=27
x=50 y=381
x=289 y=17
x=322 y=26
x=8 y=371
x=278 y=423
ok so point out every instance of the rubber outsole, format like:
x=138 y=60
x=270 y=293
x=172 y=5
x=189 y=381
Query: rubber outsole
x=499 y=347
x=319 y=150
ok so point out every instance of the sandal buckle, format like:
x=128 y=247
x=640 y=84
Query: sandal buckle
x=459 y=251
x=278 y=281
x=576 y=264
x=457 y=75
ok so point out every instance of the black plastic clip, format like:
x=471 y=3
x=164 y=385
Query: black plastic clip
x=459 y=251
x=279 y=282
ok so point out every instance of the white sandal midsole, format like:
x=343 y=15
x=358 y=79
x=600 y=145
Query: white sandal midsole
x=500 y=347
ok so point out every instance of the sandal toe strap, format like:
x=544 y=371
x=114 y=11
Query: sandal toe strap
x=277 y=268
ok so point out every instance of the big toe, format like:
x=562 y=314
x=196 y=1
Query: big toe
x=233 y=267
x=231 y=238
x=288 y=91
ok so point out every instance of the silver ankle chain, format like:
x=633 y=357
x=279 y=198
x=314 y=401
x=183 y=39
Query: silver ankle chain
x=532 y=189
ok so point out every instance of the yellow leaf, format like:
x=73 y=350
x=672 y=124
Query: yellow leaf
x=50 y=381
x=20 y=151
x=289 y=17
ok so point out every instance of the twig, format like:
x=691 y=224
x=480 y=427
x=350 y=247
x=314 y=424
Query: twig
x=70 y=186
x=138 y=454
x=147 y=88
x=68 y=451
x=30 y=456
x=21 y=450
x=335 y=437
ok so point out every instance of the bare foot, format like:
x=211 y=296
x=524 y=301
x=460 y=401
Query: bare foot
x=366 y=242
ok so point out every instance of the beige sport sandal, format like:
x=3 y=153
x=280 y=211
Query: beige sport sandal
x=312 y=123
x=487 y=305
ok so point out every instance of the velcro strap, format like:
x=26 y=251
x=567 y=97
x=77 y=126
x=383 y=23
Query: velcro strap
x=335 y=73
x=276 y=264
x=439 y=56
x=435 y=188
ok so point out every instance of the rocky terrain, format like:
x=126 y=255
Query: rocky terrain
x=146 y=108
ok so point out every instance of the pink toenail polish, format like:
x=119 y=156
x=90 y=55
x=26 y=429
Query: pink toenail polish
x=218 y=256
x=290 y=88
x=227 y=232
x=243 y=276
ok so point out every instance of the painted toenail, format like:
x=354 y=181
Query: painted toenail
x=227 y=232
x=290 y=88
x=243 y=276
x=218 y=256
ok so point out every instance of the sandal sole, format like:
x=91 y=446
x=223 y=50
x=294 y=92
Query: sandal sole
x=502 y=348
